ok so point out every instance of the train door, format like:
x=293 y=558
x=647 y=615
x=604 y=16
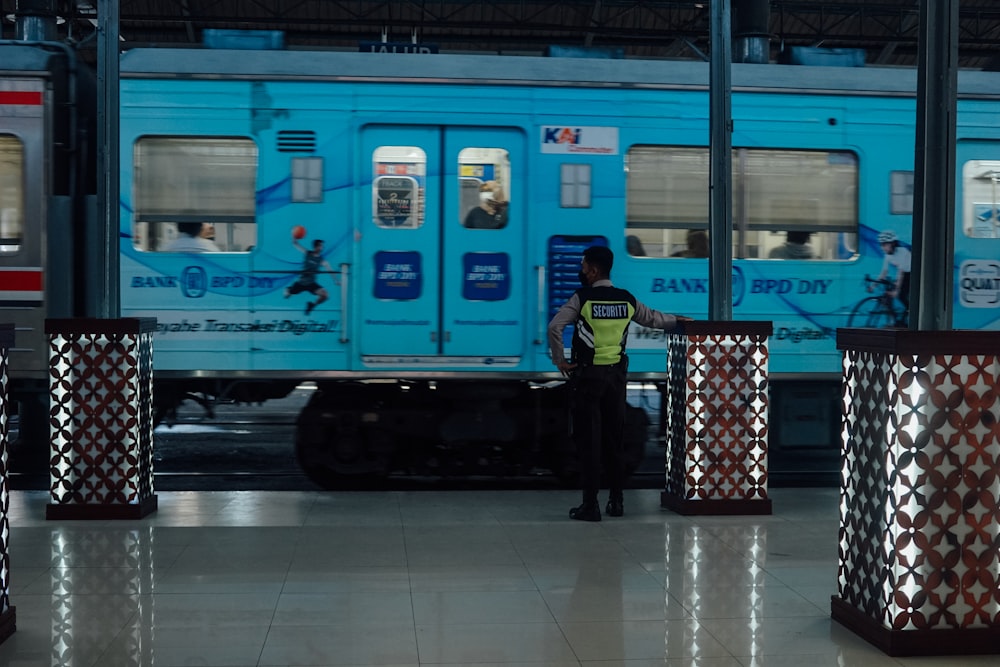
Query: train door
x=977 y=236
x=441 y=245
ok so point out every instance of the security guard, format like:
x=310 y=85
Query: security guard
x=599 y=367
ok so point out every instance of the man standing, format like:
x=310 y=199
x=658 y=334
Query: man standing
x=598 y=368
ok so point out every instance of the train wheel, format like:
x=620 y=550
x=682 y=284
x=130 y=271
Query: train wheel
x=636 y=436
x=564 y=461
x=333 y=448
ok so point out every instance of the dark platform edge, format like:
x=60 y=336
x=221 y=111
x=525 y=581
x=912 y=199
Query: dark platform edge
x=974 y=641
x=108 y=511
x=8 y=623
x=708 y=507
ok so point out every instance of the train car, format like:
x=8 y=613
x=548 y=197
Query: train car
x=400 y=229
x=47 y=186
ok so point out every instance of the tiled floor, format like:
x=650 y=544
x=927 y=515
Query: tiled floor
x=429 y=578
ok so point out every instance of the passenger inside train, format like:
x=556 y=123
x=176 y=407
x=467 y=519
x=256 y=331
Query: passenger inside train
x=194 y=237
x=492 y=210
x=697 y=244
x=796 y=246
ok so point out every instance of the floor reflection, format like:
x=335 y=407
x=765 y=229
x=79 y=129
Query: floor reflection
x=413 y=578
x=122 y=587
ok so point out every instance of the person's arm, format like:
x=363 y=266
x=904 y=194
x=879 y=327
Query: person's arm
x=885 y=268
x=882 y=275
x=566 y=315
x=654 y=319
x=298 y=245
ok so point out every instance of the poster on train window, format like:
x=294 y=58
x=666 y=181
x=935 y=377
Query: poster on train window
x=394 y=197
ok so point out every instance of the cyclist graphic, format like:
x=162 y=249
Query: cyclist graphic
x=883 y=311
x=899 y=257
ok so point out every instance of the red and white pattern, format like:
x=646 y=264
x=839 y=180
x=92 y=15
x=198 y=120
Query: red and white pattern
x=717 y=410
x=919 y=521
x=101 y=393
x=6 y=611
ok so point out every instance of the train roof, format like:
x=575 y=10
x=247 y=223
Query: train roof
x=524 y=70
x=21 y=57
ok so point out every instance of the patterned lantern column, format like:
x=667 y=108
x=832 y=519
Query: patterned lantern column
x=101 y=394
x=919 y=554
x=8 y=616
x=716 y=415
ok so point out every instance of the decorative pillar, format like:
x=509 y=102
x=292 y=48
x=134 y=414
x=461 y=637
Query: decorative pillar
x=8 y=617
x=716 y=416
x=919 y=553
x=101 y=394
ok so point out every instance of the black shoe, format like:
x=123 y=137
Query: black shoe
x=309 y=307
x=586 y=512
x=615 y=507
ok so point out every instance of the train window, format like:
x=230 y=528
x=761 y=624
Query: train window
x=195 y=194
x=307 y=180
x=398 y=186
x=775 y=193
x=11 y=194
x=981 y=199
x=901 y=192
x=484 y=178
x=666 y=195
x=784 y=197
x=574 y=186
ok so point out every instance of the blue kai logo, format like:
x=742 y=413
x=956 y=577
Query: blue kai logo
x=562 y=135
x=194 y=282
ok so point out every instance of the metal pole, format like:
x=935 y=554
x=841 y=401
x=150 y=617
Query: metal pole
x=720 y=208
x=932 y=273
x=104 y=268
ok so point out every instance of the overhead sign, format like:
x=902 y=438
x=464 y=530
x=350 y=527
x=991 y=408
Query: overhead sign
x=396 y=47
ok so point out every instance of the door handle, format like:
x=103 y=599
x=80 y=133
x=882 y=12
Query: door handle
x=541 y=332
x=345 y=293
x=434 y=336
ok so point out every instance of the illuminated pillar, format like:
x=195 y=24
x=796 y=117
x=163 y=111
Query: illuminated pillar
x=919 y=548
x=8 y=616
x=716 y=416
x=101 y=394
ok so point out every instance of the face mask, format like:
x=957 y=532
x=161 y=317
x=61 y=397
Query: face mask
x=583 y=279
x=485 y=197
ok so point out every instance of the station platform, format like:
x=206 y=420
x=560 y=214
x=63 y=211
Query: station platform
x=295 y=578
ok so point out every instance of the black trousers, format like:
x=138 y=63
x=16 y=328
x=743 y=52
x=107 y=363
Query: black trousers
x=599 y=426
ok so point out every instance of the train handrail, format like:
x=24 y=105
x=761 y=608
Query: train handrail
x=345 y=275
x=540 y=338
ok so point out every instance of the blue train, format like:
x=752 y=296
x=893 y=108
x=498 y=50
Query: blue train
x=400 y=228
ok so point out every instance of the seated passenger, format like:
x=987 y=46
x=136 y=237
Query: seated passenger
x=194 y=237
x=492 y=210
x=634 y=246
x=697 y=244
x=796 y=246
